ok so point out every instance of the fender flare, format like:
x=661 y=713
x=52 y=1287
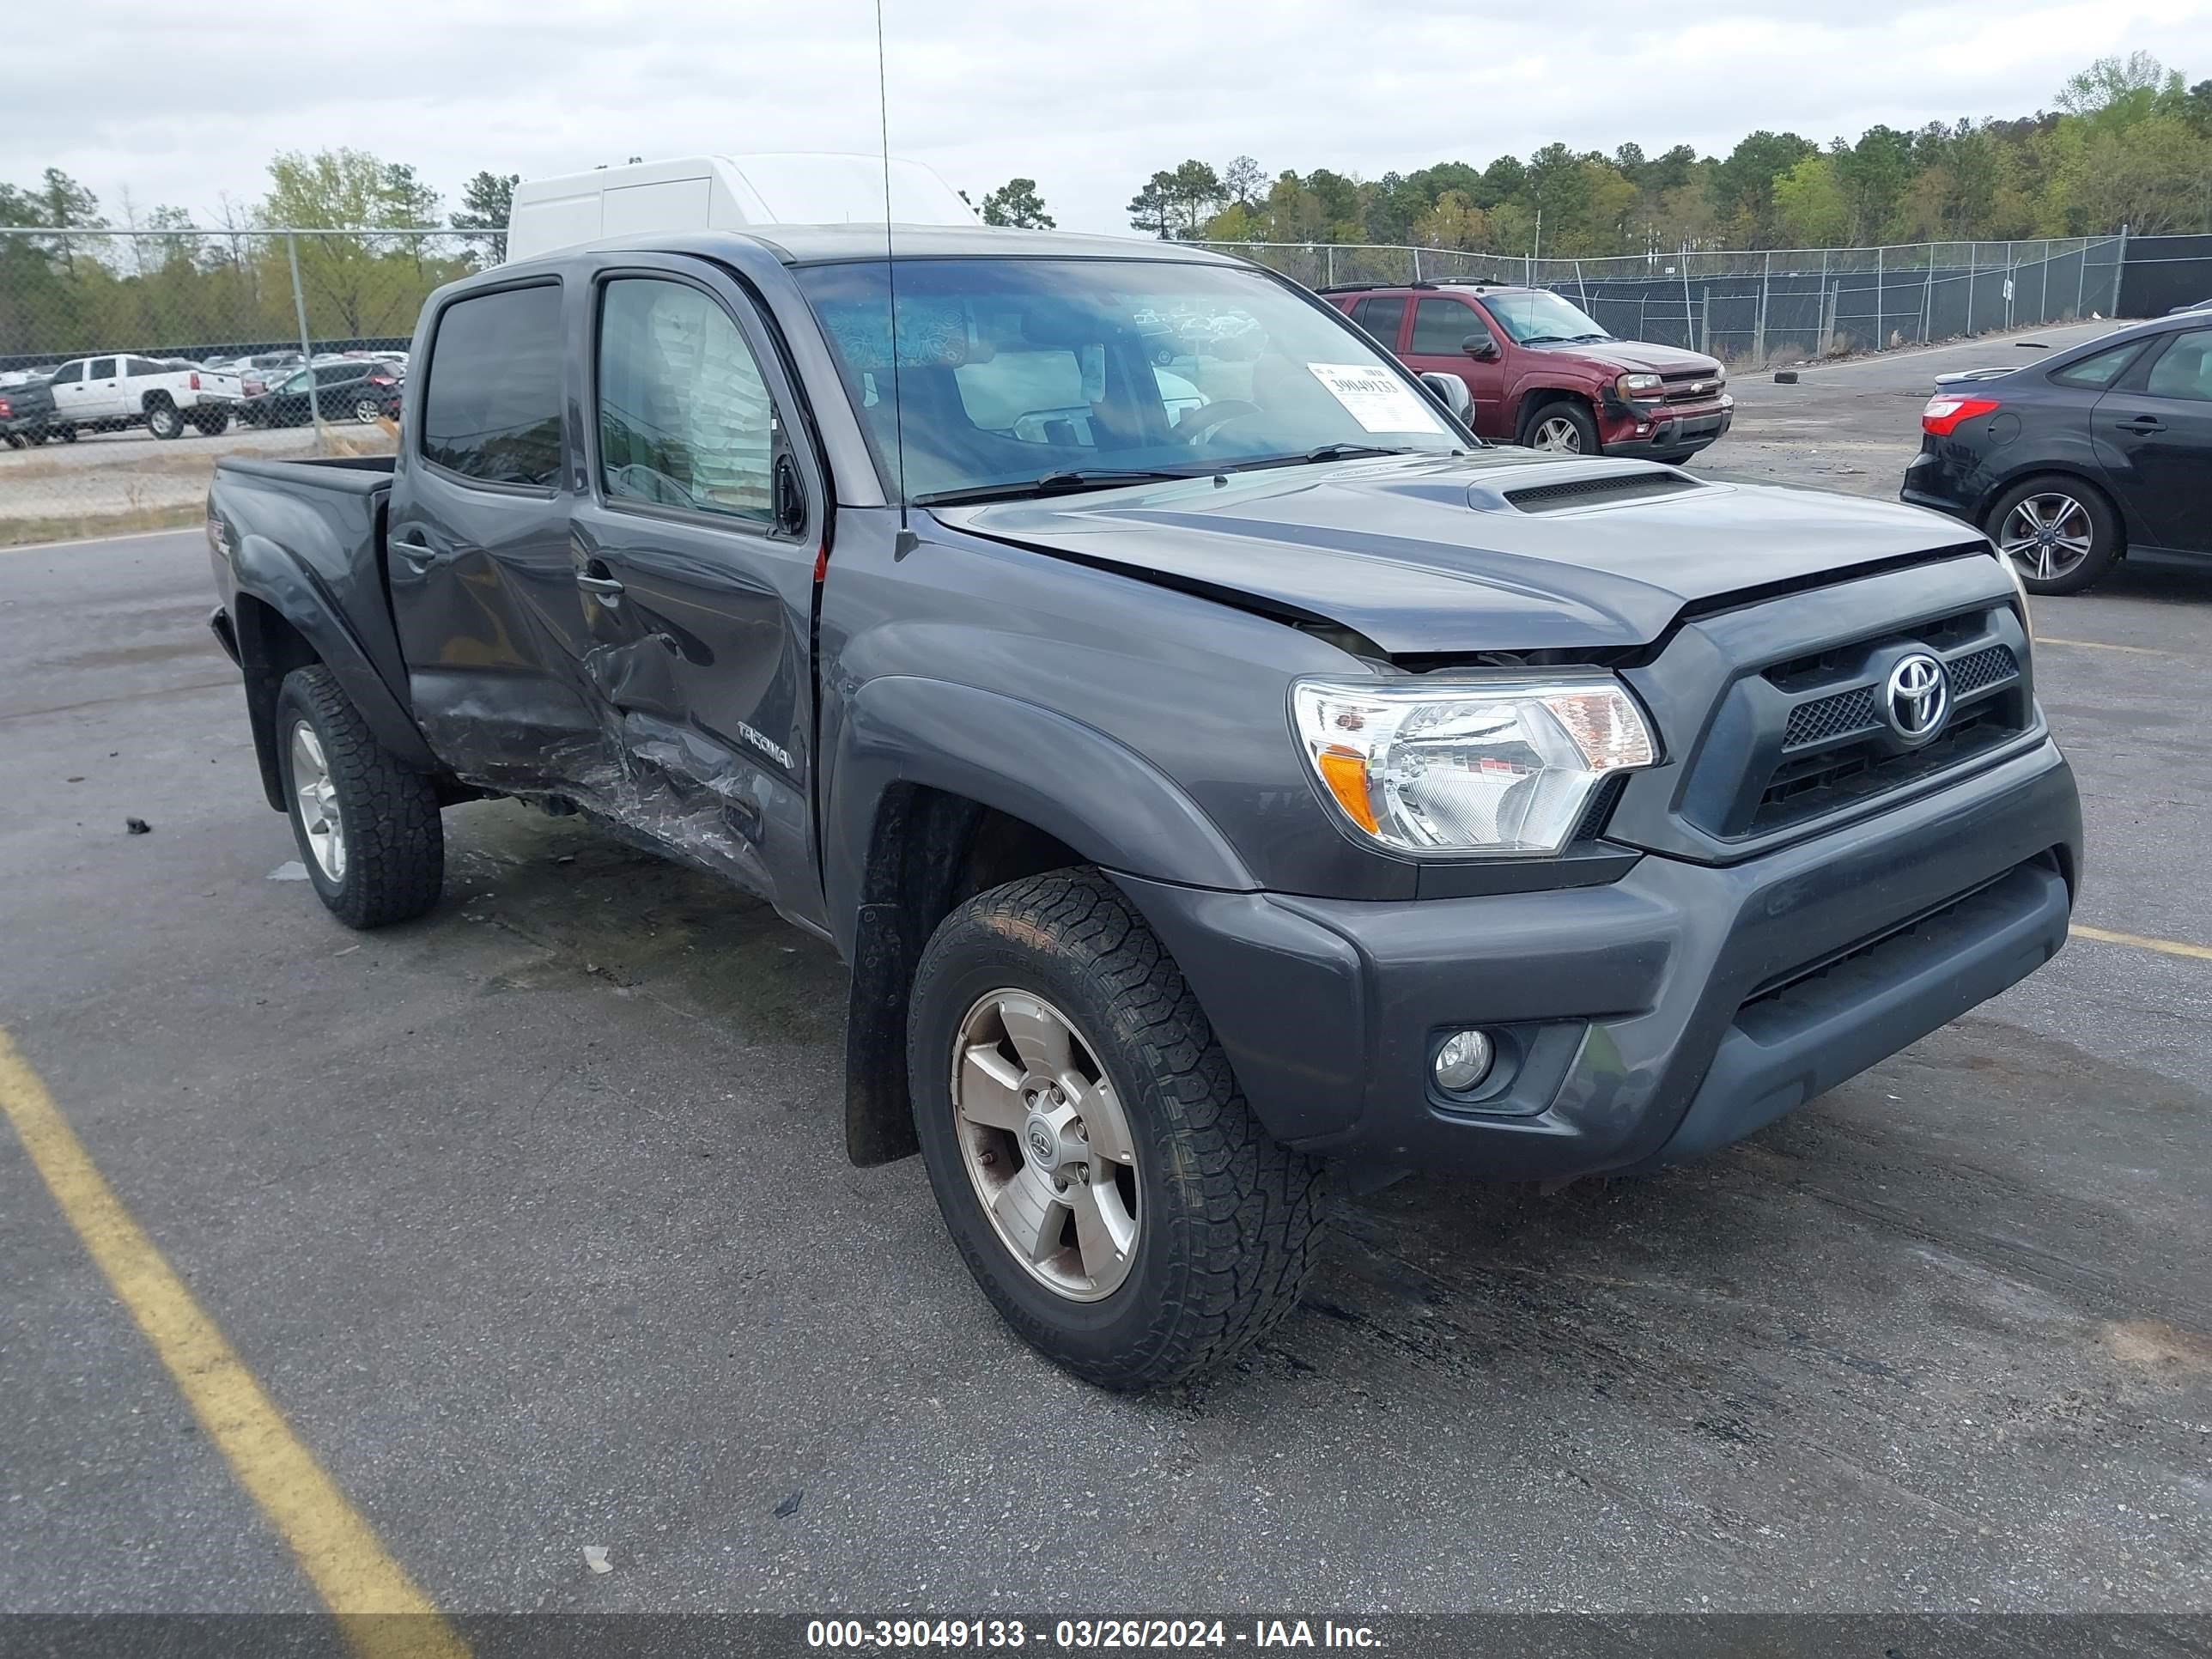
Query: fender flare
x=1107 y=802
x=268 y=572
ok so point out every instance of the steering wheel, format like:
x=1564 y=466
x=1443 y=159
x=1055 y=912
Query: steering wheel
x=1215 y=415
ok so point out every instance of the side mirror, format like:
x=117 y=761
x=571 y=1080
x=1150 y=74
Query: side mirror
x=1454 y=394
x=1481 y=347
x=790 y=498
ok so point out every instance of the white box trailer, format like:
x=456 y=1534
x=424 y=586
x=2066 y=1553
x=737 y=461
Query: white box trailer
x=726 y=193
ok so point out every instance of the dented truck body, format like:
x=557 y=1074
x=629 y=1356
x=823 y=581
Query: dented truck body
x=867 y=717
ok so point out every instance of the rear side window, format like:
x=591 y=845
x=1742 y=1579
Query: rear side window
x=2185 y=371
x=1381 y=319
x=1440 y=326
x=2101 y=369
x=492 y=411
x=684 y=416
x=101 y=369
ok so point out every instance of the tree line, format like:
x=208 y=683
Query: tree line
x=2129 y=141
x=181 y=284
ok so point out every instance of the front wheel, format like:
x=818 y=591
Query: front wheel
x=366 y=823
x=366 y=411
x=1563 y=428
x=164 y=421
x=1094 y=1162
x=66 y=433
x=2060 y=534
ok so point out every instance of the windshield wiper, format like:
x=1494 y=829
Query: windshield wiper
x=1591 y=339
x=1545 y=339
x=1335 y=452
x=1053 y=484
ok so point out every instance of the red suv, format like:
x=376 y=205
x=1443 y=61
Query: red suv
x=1543 y=373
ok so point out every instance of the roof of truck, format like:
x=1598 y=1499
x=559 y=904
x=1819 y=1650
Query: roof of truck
x=801 y=244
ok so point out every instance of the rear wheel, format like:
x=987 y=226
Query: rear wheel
x=367 y=410
x=66 y=433
x=2060 y=534
x=14 y=440
x=213 y=422
x=1562 y=427
x=164 y=421
x=1094 y=1162
x=366 y=823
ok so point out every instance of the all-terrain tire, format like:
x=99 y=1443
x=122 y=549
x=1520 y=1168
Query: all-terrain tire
x=394 y=842
x=1230 y=1221
x=164 y=420
x=1563 y=425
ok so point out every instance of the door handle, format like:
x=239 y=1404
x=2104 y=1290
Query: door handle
x=419 y=557
x=607 y=586
x=2142 y=423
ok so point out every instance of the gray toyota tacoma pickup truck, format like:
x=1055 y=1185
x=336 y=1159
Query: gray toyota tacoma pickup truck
x=1226 y=779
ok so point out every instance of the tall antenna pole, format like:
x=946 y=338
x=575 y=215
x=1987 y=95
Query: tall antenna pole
x=891 y=264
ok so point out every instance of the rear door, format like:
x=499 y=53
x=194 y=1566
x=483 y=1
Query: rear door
x=1383 y=315
x=477 y=546
x=2158 y=424
x=68 y=389
x=697 y=589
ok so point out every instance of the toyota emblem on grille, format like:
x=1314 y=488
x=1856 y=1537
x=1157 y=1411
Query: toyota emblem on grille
x=1917 y=696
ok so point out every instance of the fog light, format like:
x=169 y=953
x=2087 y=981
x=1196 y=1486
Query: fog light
x=1463 y=1061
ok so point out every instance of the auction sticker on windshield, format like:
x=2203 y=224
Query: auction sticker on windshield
x=1376 y=398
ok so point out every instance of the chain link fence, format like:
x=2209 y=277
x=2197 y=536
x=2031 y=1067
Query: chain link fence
x=174 y=346
x=1767 y=306
x=129 y=360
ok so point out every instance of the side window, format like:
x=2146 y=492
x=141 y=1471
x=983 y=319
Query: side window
x=1439 y=327
x=2185 y=371
x=333 y=373
x=68 y=374
x=492 y=411
x=1381 y=319
x=100 y=368
x=684 y=416
x=2100 y=370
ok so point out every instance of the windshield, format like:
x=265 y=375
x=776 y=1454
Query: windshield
x=1013 y=371
x=1536 y=316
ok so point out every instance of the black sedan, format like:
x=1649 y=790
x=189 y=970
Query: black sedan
x=356 y=390
x=2100 y=453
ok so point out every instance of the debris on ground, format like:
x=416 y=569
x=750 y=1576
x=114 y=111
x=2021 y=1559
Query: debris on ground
x=292 y=870
x=137 y=827
x=789 y=1507
x=595 y=1558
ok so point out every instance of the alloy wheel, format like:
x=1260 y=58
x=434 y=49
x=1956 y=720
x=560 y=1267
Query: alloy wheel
x=317 y=792
x=1047 y=1145
x=2047 y=536
x=1557 y=433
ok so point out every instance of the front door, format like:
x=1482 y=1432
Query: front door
x=103 y=397
x=1443 y=324
x=697 y=585
x=477 y=549
x=2162 y=432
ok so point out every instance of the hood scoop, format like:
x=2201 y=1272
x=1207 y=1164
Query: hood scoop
x=1600 y=489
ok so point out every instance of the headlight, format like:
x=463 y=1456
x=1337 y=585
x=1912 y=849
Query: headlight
x=1639 y=386
x=1491 y=767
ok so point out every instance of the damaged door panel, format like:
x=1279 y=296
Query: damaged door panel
x=478 y=543
x=696 y=591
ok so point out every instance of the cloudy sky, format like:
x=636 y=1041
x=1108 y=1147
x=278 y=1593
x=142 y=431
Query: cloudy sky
x=183 y=102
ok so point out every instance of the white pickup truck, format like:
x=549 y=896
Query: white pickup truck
x=104 y=394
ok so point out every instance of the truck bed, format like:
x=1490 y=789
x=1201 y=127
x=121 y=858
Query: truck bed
x=319 y=526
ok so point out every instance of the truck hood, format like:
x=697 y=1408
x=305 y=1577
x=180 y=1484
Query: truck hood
x=1640 y=355
x=1451 y=555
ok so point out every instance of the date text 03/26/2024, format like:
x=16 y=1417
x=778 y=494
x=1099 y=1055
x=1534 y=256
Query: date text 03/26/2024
x=1085 y=1634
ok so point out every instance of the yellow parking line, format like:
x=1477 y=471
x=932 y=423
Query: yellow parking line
x=381 y=1612
x=2165 y=946
x=2100 y=645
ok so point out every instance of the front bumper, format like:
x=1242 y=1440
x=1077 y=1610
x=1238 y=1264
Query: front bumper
x=1667 y=1013
x=1671 y=430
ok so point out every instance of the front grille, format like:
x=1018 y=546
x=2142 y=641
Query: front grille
x=1831 y=717
x=1591 y=492
x=1981 y=670
x=1676 y=388
x=1805 y=788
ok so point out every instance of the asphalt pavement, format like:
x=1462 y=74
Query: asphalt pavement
x=533 y=1219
